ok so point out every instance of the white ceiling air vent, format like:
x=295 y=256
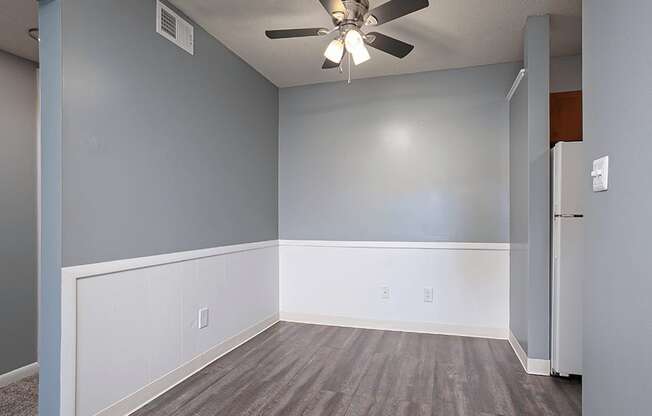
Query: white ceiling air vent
x=174 y=28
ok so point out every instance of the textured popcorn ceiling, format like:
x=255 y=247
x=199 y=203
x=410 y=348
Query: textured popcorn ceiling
x=448 y=34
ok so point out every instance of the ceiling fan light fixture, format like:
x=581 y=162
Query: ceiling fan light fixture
x=371 y=20
x=349 y=18
x=355 y=46
x=335 y=51
x=361 y=56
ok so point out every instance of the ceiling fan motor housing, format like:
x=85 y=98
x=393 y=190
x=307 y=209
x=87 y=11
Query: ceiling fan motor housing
x=355 y=12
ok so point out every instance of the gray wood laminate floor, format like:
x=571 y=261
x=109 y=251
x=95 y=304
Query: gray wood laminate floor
x=297 y=369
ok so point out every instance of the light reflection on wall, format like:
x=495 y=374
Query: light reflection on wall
x=396 y=137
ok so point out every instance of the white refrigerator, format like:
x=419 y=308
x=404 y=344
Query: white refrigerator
x=568 y=185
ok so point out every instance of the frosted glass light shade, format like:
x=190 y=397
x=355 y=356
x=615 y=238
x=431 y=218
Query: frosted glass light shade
x=361 y=56
x=335 y=51
x=355 y=45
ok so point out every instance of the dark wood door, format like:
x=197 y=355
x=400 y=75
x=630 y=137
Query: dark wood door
x=565 y=117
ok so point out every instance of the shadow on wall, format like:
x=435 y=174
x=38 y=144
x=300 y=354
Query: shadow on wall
x=566 y=34
x=418 y=89
x=18 y=220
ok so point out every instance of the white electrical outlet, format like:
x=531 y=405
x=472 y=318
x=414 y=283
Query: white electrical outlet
x=384 y=292
x=428 y=294
x=203 y=318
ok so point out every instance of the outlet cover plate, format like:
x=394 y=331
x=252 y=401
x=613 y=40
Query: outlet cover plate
x=203 y=318
x=384 y=292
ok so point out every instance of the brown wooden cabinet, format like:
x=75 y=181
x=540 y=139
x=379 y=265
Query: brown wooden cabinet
x=565 y=117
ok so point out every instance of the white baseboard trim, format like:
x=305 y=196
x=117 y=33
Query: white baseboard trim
x=153 y=390
x=531 y=366
x=518 y=350
x=18 y=374
x=418 y=327
x=397 y=244
x=538 y=367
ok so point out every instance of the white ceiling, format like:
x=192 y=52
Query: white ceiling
x=448 y=34
x=16 y=18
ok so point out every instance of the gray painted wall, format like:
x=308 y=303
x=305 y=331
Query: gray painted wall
x=519 y=194
x=537 y=49
x=163 y=151
x=18 y=102
x=420 y=157
x=617 y=122
x=49 y=335
x=566 y=73
x=530 y=196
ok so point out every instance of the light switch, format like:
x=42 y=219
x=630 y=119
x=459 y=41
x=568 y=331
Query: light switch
x=600 y=174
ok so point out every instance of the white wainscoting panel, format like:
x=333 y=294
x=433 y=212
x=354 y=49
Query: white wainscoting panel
x=340 y=283
x=137 y=329
x=130 y=329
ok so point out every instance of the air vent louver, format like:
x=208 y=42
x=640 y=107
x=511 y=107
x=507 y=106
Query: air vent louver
x=172 y=27
x=168 y=23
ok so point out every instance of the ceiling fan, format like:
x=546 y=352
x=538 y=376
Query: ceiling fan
x=349 y=18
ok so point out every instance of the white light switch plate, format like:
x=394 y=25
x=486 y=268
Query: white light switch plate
x=600 y=174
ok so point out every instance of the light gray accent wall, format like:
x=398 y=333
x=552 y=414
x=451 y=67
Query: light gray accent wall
x=18 y=257
x=617 y=122
x=566 y=73
x=537 y=49
x=530 y=196
x=519 y=193
x=49 y=336
x=421 y=157
x=163 y=151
